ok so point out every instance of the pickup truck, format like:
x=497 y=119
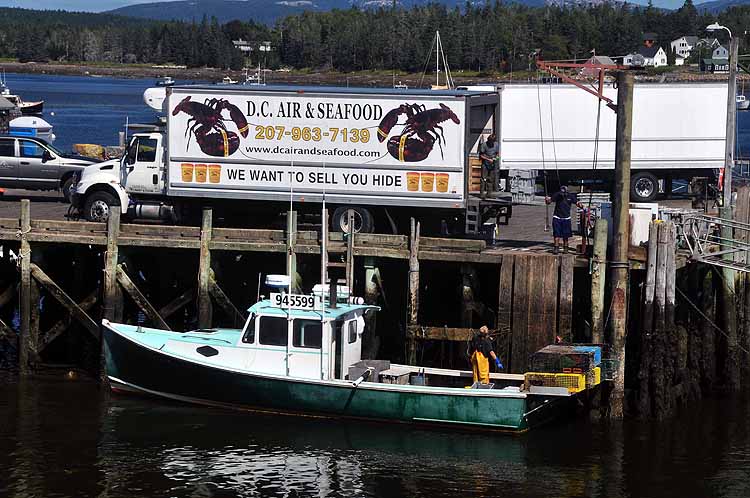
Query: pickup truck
x=34 y=164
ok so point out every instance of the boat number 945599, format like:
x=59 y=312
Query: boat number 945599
x=293 y=301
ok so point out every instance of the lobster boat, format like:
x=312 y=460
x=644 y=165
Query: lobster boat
x=302 y=355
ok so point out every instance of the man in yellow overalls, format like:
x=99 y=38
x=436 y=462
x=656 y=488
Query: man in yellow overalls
x=481 y=348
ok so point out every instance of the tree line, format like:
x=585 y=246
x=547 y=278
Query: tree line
x=495 y=36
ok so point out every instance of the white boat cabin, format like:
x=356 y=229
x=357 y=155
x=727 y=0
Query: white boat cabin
x=312 y=343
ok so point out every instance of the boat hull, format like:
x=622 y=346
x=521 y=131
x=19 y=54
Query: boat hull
x=32 y=107
x=135 y=367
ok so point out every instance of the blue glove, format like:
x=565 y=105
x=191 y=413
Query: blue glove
x=498 y=364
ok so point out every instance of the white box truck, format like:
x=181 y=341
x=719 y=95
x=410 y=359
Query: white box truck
x=386 y=154
x=679 y=132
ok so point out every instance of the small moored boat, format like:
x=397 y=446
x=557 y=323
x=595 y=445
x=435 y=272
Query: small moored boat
x=742 y=102
x=301 y=354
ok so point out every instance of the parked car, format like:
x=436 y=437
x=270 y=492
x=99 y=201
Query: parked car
x=35 y=164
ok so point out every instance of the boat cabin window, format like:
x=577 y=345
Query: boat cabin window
x=249 y=335
x=31 y=149
x=273 y=331
x=307 y=334
x=352 y=331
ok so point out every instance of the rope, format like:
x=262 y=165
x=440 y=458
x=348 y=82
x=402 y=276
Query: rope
x=552 y=128
x=541 y=139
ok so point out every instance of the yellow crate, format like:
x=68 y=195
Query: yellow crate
x=573 y=382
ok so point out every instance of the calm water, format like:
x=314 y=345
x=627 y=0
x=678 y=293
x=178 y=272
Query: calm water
x=67 y=439
x=83 y=109
x=61 y=438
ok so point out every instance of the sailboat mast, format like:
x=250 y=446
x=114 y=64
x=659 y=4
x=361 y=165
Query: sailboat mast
x=437 y=58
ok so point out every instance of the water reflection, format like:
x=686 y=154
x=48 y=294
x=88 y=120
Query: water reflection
x=66 y=439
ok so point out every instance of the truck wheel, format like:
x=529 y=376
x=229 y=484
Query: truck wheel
x=644 y=187
x=362 y=220
x=67 y=187
x=98 y=206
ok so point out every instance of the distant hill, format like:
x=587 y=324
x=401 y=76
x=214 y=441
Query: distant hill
x=267 y=11
x=716 y=6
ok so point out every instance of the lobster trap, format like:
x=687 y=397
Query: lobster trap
x=574 y=383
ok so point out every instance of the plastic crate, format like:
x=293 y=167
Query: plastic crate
x=563 y=359
x=573 y=382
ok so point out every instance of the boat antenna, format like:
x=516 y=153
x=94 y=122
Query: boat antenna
x=323 y=241
x=257 y=297
x=127 y=123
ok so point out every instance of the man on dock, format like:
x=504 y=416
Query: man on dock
x=562 y=228
x=481 y=351
x=488 y=153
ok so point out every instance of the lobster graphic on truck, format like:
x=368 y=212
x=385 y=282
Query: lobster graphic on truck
x=419 y=133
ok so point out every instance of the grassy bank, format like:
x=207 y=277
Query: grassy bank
x=308 y=76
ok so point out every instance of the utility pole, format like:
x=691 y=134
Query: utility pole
x=621 y=235
x=727 y=296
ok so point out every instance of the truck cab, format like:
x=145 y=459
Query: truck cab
x=125 y=183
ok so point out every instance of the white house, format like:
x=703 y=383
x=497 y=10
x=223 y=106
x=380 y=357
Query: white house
x=679 y=60
x=646 y=57
x=720 y=53
x=683 y=45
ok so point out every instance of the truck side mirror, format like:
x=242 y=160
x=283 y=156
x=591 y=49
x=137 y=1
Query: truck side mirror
x=47 y=156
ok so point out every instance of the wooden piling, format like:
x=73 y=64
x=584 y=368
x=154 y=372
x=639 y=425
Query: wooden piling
x=565 y=326
x=647 y=324
x=205 y=308
x=519 y=340
x=25 y=304
x=598 y=280
x=112 y=293
x=413 y=310
x=621 y=242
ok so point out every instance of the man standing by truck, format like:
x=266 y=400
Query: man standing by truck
x=561 y=220
x=488 y=153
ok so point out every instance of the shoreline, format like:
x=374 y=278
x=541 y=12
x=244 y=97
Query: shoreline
x=381 y=79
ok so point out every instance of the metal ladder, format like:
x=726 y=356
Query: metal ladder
x=702 y=236
x=347 y=253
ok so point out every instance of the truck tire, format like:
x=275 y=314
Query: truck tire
x=67 y=185
x=98 y=206
x=644 y=187
x=363 y=222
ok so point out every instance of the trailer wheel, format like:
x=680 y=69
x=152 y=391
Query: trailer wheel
x=362 y=220
x=98 y=206
x=644 y=187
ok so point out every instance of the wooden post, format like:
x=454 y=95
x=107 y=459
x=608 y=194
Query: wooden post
x=565 y=327
x=413 y=290
x=26 y=304
x=598 y=280
x=647 y=323
x=619 y=260
x=520 y=338
x=504 y=308
x=291 y=254
x=112 y=292
x=731 y=374
x=205 y=310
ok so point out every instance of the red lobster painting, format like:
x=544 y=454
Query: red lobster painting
x=420 y=132
x=207 y=124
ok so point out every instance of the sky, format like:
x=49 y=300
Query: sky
x=101 y=5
